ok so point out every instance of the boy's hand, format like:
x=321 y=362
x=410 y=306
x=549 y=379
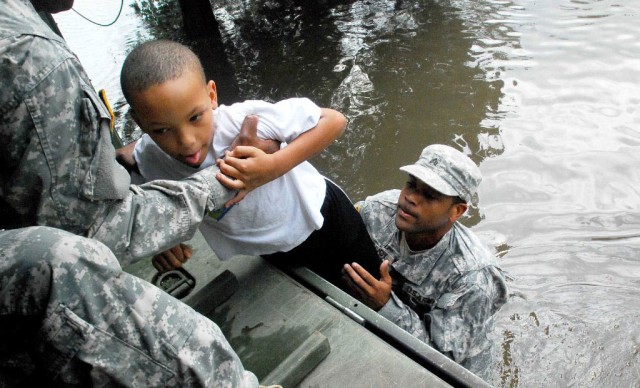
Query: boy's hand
x=244 y=175
x=124 y=156
x=172 y=258
x=248 y=136
x=250 y=167
x=371 y=291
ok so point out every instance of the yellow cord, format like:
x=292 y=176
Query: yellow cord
x=103 y=96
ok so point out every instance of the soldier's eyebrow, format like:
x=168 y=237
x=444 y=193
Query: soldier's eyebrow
x=427 y=191
x=433 y=192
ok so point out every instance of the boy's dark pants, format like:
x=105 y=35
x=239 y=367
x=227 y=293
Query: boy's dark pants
x=343 y=238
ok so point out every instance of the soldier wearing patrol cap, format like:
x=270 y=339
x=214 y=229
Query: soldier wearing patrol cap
x=438 y=281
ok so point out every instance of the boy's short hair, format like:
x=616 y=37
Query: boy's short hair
x=155 y=62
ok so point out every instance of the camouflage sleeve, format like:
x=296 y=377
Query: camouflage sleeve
x=407 y=319
x=158 y=215
x=458 y=324
x=376 y=210
x=462 y=318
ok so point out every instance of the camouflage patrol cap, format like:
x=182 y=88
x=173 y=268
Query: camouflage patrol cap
x=447 y=170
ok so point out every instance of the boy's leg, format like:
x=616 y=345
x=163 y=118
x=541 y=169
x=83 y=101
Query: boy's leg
x=91 y=323
x=343 y=238
x=346 y=234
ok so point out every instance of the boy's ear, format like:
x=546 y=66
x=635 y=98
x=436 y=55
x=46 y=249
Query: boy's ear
x=213 y=92
x=134 y=115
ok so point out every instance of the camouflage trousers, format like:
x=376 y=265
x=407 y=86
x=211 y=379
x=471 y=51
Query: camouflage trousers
x=70 y=316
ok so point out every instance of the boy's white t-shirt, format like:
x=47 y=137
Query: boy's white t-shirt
x=275 y=217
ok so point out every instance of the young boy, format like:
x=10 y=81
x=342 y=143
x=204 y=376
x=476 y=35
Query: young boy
x=293 y=212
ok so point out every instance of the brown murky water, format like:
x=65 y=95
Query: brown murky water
x=543 y=95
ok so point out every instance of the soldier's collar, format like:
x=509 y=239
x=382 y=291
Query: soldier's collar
x=415 y=266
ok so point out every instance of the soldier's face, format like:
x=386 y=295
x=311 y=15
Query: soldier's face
x=178 y=116
x=423 y=210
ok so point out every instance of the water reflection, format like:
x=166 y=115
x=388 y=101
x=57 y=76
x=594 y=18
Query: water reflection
x=543 y=95
x=564 y=194
x=384 y=64
x=161 y=18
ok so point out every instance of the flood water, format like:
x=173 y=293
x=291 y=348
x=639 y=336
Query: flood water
x=544 y=95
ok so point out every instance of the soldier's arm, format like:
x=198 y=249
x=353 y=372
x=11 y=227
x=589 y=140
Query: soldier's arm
x=403 y=316
x=455 y=324
x=159 y=214
x=461 y=317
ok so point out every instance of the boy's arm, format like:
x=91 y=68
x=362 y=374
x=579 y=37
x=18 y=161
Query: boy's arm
x=252 y=168
x=172 y=258
x=124 y=156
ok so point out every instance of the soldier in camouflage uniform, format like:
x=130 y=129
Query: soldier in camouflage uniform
x=438 y=281
x=58 y=163
x=94 y=323
x=85 y=311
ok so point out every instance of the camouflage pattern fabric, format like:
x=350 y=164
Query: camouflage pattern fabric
x=446 y=170
x=97 y=325
x=445 y=295
x=58 y=163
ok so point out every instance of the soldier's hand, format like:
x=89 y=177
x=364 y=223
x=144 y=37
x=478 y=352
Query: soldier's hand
x=248 y=136
x=172 y=258
x=371 y=291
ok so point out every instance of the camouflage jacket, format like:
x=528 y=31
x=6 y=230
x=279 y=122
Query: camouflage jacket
x=72 y=318
x=58 y=165
x=445 y=295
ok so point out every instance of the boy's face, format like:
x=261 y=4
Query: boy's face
x=423 y=210
x=178 y=116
